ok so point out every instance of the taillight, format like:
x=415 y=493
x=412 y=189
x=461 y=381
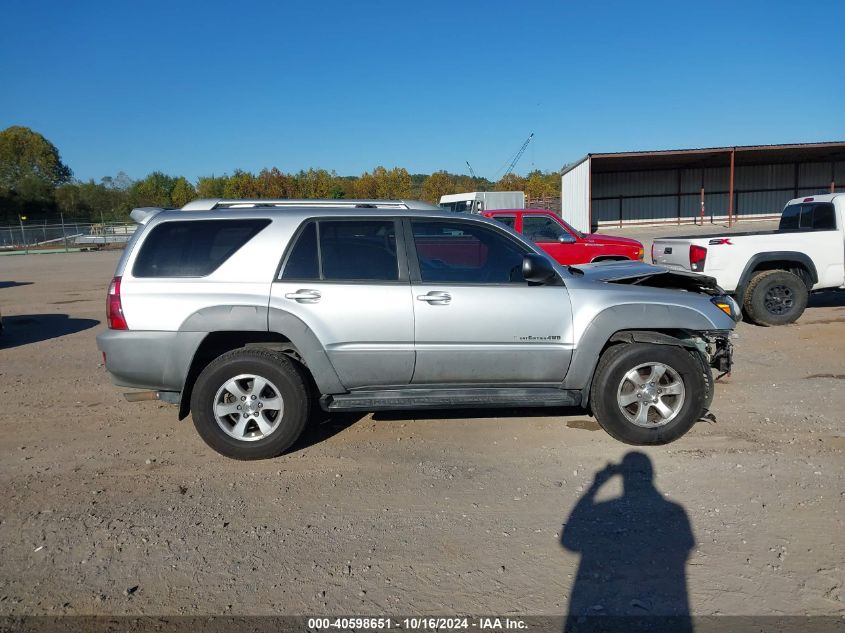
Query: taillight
x=114 y=310
x=697 y=255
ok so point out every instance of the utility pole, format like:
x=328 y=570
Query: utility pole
x=21 y=218
x=64 y=235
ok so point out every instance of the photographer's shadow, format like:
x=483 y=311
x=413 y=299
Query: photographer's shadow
x=634 y=550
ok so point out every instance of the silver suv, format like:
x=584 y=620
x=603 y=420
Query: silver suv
x=247 y=314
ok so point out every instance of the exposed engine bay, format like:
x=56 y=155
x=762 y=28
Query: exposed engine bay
x=642 y=274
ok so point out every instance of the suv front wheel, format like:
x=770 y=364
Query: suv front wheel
x=250 y=404
x=648 y=394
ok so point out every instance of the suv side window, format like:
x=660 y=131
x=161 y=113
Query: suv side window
x=358 y=250
x=344 y=250
x=192 y=248
x=303 y=260
x=463 y=252
x=541 y=228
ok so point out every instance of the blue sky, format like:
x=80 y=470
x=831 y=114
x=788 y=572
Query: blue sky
x=208 y=87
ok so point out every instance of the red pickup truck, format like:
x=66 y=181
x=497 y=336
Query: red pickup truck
x=564 y=243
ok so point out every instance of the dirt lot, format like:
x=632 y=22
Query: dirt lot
x=117 y=508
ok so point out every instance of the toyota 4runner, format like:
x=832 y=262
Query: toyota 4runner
x=246 y=314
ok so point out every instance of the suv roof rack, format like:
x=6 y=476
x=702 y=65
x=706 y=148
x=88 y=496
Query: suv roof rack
x=209 y=204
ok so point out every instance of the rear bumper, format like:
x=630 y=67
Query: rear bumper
x=149 y=360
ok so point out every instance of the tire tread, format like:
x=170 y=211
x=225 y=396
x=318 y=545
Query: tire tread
x=276 y=445
x=603 y=397
x=751 y=312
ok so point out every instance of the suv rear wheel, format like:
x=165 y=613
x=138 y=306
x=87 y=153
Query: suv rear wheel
x=775 y=297
x=250 y=404
x=648 y=394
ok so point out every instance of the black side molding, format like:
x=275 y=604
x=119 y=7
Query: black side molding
x=444 y=398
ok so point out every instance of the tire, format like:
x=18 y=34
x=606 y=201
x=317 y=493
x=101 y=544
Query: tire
x=775 y=297
x=261 y=423
x=612 y=387
x=707 y=377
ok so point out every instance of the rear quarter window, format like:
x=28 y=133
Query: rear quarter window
x=808 y=216
x=193 y=248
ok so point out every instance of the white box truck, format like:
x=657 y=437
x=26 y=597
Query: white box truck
x=480 y=201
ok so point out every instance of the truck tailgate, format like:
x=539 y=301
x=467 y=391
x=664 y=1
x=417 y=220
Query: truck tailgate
x=673 y=253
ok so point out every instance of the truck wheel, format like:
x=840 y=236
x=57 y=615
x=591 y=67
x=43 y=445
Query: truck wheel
x=648 y=394
x=775 y=297
x=250 y=404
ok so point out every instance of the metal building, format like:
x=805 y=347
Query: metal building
x=695 y=185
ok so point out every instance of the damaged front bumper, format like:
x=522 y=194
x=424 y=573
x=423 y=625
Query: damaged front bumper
x=717 y=348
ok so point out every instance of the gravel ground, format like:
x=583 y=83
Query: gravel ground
x=117 y=508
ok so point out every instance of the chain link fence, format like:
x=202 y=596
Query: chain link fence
x=65 y=236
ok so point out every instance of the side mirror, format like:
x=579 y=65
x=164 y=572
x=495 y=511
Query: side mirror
x=566 y=238
x=537 y=269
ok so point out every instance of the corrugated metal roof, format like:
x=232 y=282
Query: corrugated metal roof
x=738 y=148
x=713 y=156
x=572 y=166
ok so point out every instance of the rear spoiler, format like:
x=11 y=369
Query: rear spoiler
x=142 y=215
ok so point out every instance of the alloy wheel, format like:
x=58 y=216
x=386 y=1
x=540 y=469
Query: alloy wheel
x=248 y=407
x=651 y=395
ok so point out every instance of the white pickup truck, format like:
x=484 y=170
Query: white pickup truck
x=770 y=273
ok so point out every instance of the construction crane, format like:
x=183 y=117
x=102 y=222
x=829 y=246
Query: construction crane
x=519 y=154
x=471 y=170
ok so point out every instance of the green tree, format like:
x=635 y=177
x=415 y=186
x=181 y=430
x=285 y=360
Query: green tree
x=399 y=183
x=29 y=162
x=92 y=201
x=240 y=185
x=467 y=183
x=183 y=192
x=69 y=201
x=440 y=183
x=211 y=186
x=153 y=191
x=315 y=183
x=366 y=185
x=540 y=185
x=380 y=174
x=121 y=181
x=272 y=183
x=510 y=182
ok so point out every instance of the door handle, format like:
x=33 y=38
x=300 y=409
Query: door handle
x=436 y=298
x=304 y=296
